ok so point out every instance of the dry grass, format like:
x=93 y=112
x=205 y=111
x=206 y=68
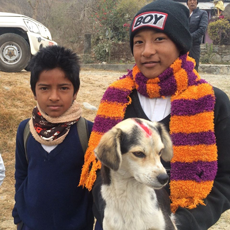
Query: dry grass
x=16 y=99
x=17 y=103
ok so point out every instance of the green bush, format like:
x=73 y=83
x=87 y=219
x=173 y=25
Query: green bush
x=111 y=22
x=101 y=51
x=219 y=32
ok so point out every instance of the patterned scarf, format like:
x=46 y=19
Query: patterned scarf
x=194 y=164
x=53 y=130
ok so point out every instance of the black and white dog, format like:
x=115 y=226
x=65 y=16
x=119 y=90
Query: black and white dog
x=133 y=176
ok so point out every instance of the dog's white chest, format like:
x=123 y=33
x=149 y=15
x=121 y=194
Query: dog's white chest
x=131 y=207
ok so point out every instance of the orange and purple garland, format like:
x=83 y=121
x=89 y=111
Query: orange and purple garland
x=194 y=164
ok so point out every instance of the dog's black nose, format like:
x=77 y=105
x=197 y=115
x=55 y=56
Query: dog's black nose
x=163 y=178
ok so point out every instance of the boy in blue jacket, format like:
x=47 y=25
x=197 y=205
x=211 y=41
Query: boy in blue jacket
x=48 y=168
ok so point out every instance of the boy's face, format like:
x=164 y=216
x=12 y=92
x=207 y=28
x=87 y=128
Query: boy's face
x=153 y=52
x=54 y=92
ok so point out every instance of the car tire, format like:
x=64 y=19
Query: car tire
x=14 y=53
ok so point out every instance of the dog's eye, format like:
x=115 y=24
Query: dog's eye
x=139 y=154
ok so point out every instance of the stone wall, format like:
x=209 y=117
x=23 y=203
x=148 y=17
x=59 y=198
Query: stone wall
x=215 y=54
x=210 y=54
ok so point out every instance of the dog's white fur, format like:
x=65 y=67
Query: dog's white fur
x=130 y=197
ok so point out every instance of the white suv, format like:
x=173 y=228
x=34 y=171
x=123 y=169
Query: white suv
x=21 y=37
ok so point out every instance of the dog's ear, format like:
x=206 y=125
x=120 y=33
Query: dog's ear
x=108 y=150
x=167 y=152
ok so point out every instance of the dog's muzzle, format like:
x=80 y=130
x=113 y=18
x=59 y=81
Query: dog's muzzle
x=163 y=178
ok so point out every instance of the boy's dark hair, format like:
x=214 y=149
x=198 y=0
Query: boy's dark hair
x=55 y=57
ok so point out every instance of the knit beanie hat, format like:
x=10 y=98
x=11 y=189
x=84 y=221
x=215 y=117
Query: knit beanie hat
x=166 y=16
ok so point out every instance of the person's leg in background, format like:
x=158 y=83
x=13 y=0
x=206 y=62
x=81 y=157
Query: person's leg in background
x=195 y=53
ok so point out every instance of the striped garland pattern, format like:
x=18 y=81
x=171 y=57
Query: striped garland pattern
x=194 y=164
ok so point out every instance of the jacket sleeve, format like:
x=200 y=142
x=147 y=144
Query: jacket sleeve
x=218 y=201
x=2 y=170
x=21 y=166
x=203 y=23
x=98 y=201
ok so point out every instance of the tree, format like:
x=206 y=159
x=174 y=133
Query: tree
x=34 y=7
x=111 y=22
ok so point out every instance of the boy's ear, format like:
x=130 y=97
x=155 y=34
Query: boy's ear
x=35 y=98
x=74 y=96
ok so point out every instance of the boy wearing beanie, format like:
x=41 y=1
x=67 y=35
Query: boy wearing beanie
x=163 y=86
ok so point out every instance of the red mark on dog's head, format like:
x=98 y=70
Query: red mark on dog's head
x=144 y=127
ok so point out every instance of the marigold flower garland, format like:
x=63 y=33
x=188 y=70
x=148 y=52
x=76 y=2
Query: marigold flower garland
x=194 y=164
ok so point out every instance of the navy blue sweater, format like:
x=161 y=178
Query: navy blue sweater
x=47 y=193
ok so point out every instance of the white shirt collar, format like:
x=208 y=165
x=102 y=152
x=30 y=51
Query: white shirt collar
x=156 y=109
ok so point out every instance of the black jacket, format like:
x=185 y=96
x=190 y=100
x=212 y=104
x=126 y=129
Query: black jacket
x=202 y=217
x=198 y=23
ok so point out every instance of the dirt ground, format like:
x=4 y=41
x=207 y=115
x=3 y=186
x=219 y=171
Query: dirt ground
x=93 y=85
